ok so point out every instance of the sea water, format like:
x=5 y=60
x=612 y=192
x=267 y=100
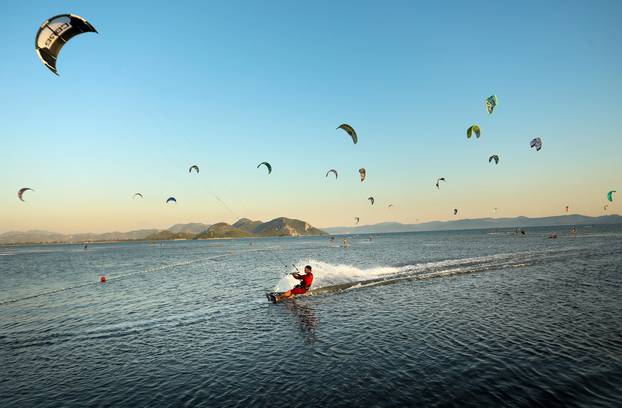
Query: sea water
x=468 y=318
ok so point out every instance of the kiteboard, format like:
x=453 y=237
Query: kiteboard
x=272 y=296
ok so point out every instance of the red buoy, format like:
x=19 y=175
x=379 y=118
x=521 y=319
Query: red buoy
x=102 y=279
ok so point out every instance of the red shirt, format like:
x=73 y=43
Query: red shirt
x=307 y=279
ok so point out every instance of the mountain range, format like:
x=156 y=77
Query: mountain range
x=477 y=223
x=242 y=228
x=282 y=226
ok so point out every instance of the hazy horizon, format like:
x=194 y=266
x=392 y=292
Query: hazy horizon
x=322 y=227
x=237 y=84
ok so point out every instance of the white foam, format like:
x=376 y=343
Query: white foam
x=326 y=274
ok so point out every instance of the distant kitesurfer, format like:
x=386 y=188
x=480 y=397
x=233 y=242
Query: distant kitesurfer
x=305 y=283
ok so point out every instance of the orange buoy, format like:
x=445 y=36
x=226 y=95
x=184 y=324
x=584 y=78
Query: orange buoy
x=102 y=279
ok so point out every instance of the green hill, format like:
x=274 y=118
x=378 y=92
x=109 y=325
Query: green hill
x=286 y=227
x=222 y=230
x=192 y=228
x=247 y=225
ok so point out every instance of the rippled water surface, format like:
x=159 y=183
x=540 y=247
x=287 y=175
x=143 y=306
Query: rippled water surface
x=473 y=318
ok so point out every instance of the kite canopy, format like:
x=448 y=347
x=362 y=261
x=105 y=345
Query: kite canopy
x=537 y=143
x=495 y=158
x=439 y=180
x=349 y=130
x=171 y=200
x=21 y=191
x=332 y=171
x=610 y=195
x=362 y=173
x=455 y=211
x=473 y=129
x=137 y=195
x=491 y=103
x=195 y=168
x=390 y=205
x=54 y=34
x=268 y=166
x=371 y=199
x=357 y=219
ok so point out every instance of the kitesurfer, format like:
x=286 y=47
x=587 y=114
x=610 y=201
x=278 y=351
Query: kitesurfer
x=301 y=288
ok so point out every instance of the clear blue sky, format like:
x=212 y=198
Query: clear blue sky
x=229 y=84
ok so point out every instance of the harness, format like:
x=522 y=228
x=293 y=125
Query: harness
x=302 y=285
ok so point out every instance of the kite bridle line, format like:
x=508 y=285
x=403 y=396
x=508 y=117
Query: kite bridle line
x=281 y=261
x=273 y=252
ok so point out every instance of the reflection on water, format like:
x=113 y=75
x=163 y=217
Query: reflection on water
x=305 y=316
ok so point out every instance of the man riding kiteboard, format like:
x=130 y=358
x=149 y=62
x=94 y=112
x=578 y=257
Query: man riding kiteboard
x=305 y=283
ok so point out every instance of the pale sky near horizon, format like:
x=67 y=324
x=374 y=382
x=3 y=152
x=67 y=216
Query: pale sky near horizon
x=229 y=84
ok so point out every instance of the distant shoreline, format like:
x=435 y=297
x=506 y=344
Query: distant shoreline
x=243 y=228
x=479 y=224
x=335 y=234
x=152 y=241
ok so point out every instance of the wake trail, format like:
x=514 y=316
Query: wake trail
x=337 y=277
